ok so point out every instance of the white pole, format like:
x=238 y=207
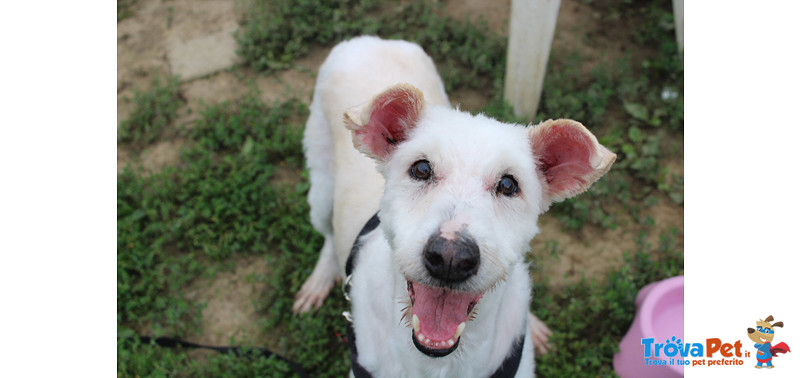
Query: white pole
x=677 y=8
x=531 y=30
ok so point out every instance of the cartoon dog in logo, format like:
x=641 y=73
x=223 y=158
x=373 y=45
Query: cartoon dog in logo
x=763 y=335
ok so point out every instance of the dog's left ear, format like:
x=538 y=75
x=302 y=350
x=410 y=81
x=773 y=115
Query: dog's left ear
x=569 y=157
x=385 y=122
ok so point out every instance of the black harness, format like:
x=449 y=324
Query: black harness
x=507 y=369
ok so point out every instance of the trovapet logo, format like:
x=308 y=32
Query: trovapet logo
x=715 y=351
x=677 y=352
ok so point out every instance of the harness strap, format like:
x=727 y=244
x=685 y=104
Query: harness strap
x=507 y=369
x=510 y=365
x=358 y=370
x=371 y=225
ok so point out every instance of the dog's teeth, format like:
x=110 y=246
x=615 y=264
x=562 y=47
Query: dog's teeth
x=459 y=330
x=415 y=323
x=450 y=342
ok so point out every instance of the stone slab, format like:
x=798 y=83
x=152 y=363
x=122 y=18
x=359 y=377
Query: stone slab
x=202 y=56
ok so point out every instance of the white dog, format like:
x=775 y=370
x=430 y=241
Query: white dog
x=439 y=230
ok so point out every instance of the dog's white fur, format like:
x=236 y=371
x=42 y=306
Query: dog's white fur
x=469 y=155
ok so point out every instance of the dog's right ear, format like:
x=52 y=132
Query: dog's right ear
x=385 y=122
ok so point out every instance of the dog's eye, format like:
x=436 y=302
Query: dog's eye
x=507 y=186
x=421 y=170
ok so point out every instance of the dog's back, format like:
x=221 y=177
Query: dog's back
x=351 y=75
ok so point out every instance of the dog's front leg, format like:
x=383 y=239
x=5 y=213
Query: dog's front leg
x=540 y=334
x=319 y=284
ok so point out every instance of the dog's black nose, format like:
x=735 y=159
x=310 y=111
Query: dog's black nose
x=750 y=330
x=451 y=260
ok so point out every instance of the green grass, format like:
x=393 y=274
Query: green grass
x=154 y=111
x=223 y=202
x=124 y=9
x=588 y=319
x=230 y=195
x=213 y=208
x=275 y=33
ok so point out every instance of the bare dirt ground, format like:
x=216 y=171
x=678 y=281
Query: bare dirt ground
x=147 y=44
x=228 y=296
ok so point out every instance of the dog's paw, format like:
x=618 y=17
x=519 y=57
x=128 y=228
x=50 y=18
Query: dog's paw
x=540 y=334
x=314 y=291
x=319 y=283
x=316 y=288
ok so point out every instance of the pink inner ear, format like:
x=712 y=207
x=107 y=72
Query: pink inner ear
x=564 y=158
x=393 y=113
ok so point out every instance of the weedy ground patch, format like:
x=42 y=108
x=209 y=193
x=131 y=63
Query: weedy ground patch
x=155 y=110
x=227 y=197
x=186 y=222
x=124 y=9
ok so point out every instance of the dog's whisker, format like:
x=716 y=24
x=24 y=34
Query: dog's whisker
x=492 y=258
x=405 y=310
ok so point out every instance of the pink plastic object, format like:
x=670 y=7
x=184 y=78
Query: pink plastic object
x=659 y=314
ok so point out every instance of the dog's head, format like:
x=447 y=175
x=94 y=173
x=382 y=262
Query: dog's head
x=462 y=198
x=764 y=331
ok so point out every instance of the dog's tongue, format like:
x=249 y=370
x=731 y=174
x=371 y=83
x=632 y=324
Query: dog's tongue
x=440 y=311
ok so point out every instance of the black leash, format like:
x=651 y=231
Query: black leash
x=506 y=370
x=169 y=342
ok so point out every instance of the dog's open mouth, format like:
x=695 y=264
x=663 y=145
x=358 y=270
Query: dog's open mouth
x=438 y=317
